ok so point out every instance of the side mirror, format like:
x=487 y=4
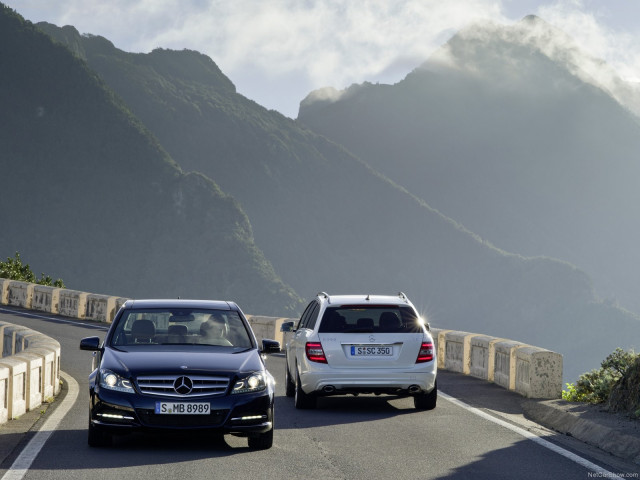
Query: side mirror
x=90 y=343
x=270 y=346
x=286 y=327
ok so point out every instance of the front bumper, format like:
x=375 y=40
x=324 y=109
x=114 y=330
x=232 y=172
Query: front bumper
x=239 y=414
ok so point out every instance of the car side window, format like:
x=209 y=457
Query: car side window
x=305 y=315
x=313 y=318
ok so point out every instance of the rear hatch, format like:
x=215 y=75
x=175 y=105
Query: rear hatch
x=379 y=350
x=371 y=336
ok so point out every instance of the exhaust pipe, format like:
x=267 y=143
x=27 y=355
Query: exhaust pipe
x=329 y=389
x=414 y=389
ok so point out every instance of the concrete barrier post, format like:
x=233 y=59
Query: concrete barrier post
x=4 y=291
x=48 y=370
x=434 y=334
x=101 y=308
x=9 y=339
x=20 y=294
x=492 y=359
x=505 y=363
x=119 y=302
x=457 y=351
x=2 y=326
x=34 y=370
x=479 y=356
x=49 y=344
x=4 y=394
x=538 y=373
x=46 y=299
x=441 y=352
x=17 y=404
x=268 y=327
x=73 y=303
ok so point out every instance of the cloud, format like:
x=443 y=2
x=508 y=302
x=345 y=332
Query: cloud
x=621 y=49
x=318 y=43
x=329 y=41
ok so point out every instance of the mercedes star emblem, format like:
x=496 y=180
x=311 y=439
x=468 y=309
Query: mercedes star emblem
x=183 y=385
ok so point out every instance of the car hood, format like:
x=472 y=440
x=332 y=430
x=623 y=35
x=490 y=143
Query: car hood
x=130 y=363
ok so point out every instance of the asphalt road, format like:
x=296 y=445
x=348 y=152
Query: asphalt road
x=363 y=437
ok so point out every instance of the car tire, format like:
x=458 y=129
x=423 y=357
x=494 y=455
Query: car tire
x=289 y=385
x=426 y=401
x=97 y=437
x=262 y=441
x=303 y=400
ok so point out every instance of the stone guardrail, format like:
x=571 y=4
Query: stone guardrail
x=530 y=371
x=29 y=363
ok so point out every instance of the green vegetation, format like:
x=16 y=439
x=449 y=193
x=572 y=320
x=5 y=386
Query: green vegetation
x=596 y=386
x=14 y=269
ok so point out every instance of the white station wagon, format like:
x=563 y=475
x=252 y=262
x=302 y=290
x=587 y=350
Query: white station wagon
x=358 y=344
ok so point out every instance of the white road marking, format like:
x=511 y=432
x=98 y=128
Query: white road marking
x=30 y=452
x=534 y=438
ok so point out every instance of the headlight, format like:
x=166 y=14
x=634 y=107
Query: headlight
x=253 y=383
x=113 y=381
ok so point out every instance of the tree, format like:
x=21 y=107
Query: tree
x=14 y=269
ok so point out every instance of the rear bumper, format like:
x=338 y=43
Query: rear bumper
x=328 y=381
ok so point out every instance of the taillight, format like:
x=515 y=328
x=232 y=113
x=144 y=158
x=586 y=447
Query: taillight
x=426 y=352
x=315 y=353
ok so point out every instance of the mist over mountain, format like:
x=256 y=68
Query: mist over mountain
x=516 y=133
x=328 y=221
x=89 y=193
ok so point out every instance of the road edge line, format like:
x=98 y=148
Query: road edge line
x=29 y=453
x=531 y=436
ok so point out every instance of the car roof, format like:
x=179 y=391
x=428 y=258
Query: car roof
x=180 y=303
x=399 y=299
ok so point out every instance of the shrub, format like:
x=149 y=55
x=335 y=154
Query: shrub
x=625 y=396
x=14 y=269
x=596 y=385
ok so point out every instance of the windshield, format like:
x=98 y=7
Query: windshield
x=180 y=327
x=369 y=319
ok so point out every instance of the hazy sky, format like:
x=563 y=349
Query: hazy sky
x=277 y=51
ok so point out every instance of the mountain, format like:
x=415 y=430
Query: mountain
x=328 y=221
x=90 y=194
x=512 y=131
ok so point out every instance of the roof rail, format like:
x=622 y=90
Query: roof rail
x=325 y=295
x=403 y=296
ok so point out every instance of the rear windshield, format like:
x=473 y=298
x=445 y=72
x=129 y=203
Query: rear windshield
x=181 y=327
x=369 y=319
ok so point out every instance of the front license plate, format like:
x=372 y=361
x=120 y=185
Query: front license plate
x=182 y=408
x=369 y=351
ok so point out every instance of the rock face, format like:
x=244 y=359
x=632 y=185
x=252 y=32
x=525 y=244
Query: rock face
x=625 y=396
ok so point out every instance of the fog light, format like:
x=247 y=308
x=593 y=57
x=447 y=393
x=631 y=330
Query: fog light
x=249 y=418
x=114 y=416
x=253 y=417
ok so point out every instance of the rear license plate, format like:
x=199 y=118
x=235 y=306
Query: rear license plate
x=369 y=351
x=182 y=408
